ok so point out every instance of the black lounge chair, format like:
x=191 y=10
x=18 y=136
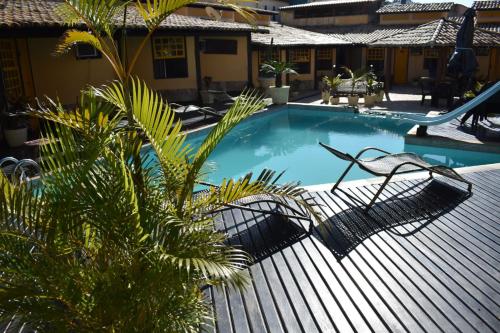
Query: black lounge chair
x=286 y=211
x=389 y=165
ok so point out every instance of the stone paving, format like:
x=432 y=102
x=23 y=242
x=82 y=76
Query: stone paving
x=403 y=99
x=450 y=134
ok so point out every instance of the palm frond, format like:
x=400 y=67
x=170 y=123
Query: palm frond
x=97 y=15
x=156 y=11
x=73 y=37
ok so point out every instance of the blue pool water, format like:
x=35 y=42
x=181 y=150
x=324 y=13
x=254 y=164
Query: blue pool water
x=287 y=139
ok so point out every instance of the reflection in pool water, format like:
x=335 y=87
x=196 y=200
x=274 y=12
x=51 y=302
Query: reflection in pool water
x=287 y=139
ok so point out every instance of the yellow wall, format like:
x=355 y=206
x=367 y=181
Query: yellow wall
x=64 y=76
x=488 y=16
x=255 y=68
x=484 y=64
x=226 y=15
x=144 y=66
x=411 y=18
x=226 y=67
x=287 y=17
x=416 y=67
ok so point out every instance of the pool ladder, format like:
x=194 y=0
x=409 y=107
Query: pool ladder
x=19 y=171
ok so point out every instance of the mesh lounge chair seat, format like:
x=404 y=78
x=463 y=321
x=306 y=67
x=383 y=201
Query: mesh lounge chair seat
x=284 y=208
x=389 y=165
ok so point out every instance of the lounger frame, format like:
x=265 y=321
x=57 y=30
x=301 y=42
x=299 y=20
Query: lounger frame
x=437 y=169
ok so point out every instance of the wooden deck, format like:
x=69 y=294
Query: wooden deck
x=426 y=258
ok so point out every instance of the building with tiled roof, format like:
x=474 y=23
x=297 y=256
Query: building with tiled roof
x=189 y=46
x=486 y=5
x=283 y=36
x=328 y=3
x=362 y=34
x=415 y=7
x=438 y=33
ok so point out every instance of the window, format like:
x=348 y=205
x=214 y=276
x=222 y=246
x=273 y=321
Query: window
x=86 y=51
x=301 y=59
x=431 y=61
x=375 y=54
x=350 y=10
x=324 y=59
x=416 y=51
x=169 y=48
x=169 y=58
x=300 y=13
x=10 y=69
x=375 y=59
x=221 y=46
x=271 y=54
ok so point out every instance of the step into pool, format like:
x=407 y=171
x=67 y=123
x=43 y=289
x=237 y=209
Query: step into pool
x=287 y=139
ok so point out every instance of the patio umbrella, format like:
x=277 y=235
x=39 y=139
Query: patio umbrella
x=463 y=62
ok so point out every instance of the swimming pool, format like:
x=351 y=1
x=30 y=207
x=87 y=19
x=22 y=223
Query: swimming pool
x=287 y=139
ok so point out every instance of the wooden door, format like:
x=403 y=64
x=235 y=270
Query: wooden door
x=401 y=66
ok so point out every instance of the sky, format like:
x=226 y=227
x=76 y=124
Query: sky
x=468 y=3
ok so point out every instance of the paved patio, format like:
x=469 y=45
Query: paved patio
x=405 y=98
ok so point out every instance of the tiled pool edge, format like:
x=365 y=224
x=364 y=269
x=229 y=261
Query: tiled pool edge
x=412 y=176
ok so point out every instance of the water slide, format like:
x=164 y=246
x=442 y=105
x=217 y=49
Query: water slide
x=419 y=119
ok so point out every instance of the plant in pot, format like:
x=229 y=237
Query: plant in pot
x=206 y=97
x=354 y=77
x=332 y=82
x=370 y=96
x=278 y=92
x=15 y=122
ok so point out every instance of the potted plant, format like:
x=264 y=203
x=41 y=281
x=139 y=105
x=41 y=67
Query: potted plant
x=15 y=122
x=278 y=92
x=206 y=97
x=354 y=77
x=333 y=82
x=370 y=95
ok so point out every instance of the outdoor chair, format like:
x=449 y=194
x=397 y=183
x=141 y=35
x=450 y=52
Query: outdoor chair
x=283 y=208
x=345 y=88
x=426 y=87
x=389 y=165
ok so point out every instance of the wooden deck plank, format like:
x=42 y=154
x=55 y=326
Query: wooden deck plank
x=421 y=260
x=452 y=284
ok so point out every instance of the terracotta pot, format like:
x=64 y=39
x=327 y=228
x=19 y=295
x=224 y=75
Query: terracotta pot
x=353 y=100
x=266 y=82
x=16 y=137
x=379 y=97
x=370 y=100
x=325 y=96
x=279 y=95
x=334 y=100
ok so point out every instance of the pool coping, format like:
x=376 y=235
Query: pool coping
x=410 y=176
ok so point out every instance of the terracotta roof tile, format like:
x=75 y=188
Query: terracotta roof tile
x=290 y=36
x=495 y=27
x=329 y=3
x=441 y=32
x=38 y=13
x=486 y=5
x=416 y=7
x=363 y=34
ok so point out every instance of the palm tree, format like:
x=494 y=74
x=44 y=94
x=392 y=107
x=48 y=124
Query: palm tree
x=111 y=238
x=355 y=77
x=277 y=68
